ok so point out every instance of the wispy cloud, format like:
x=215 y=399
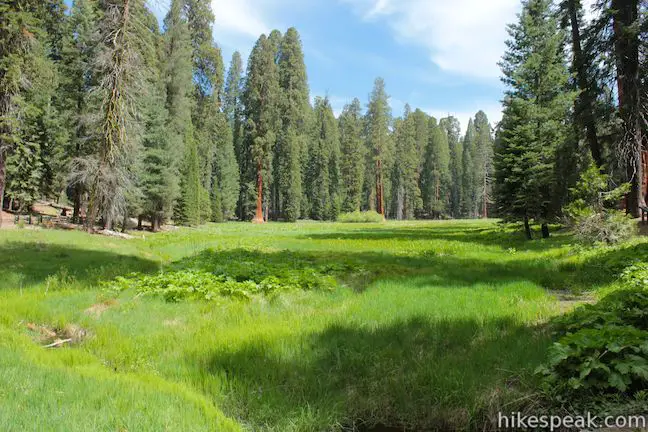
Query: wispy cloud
x=462 y=36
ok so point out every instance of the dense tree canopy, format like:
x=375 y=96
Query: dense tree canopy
x=121 y=117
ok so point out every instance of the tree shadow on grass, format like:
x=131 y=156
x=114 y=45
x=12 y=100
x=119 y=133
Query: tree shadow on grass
x=25 y=264
x=489 y=236
x=416 y=375
x=360 y=269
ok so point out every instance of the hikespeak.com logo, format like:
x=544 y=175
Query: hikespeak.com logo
x=519 y=421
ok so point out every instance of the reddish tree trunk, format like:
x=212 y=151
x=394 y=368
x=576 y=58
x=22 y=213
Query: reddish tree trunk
x=258 y=218
x=379 y=189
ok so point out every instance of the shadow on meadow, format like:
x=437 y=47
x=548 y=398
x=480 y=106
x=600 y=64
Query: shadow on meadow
x=359 y=269
x=25 y=264
x=416 y=375
x=487 y=236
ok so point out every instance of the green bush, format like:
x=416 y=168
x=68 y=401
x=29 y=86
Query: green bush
x=590 y=215
x=361 y=217
x=242 y=275
x=603 y=348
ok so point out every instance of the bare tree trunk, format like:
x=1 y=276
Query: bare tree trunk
x=485 y=197
x=584 y=104
x=125 y=222
x=139 y=222
x=258 y=218
x=379 y=188
x=626 y=44
x=155 y=223
x=527 y=228
x=3 y=177
x=545 y=230
x=76 y=214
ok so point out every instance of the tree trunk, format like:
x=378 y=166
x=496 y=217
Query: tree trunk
x=140 y=218
x=545 y=230
x=584 y=104
x=258 y=218
x=379 y=188
x=2 y=181
x=626 y=45
x=76 y=213
x=527 y=228
x=125 y=222
x=485 y=198
x=155 y=223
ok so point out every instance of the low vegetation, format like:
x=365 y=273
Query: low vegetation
x=302 y=327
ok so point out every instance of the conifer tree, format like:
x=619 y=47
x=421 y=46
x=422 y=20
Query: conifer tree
x=106 y=173
x=323 y=168
x=353 y=151
x=435 y=182
x=179 y=84
x=292 y=137
x=536 y=106
x=453 y=130
x=469 y=186
x=20 y=53
x=405 y=178
x=79 y=77
x=233 y=109
x=377 y=123
x=483 y=162
x=261 y=101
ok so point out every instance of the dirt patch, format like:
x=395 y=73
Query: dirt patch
x=7 y=220
x=568 y=300
x=99 y=308
x=52 y=337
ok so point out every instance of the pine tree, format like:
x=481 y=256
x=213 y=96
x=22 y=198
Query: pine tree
x=107 y=172
x=405 y=177
x=353 y=153
x=469 y=187
x=377 y=124
x=158 y=182
x=453 y=130
x=323 y=168
x=179 y=85
x=435 y=181
x=16 y=43
x=233 y=110
x=292 y=138
x=261 y=101
x=483 y=163
x=78 y=79
x=533 y=126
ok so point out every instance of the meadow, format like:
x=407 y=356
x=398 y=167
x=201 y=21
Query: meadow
x=406 y=325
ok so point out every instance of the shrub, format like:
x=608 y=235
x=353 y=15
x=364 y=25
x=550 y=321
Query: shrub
x=361 y=217
x=589 y=214
x=602 y=349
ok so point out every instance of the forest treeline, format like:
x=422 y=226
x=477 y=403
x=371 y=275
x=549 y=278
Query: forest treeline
x=129 y=119
x=126 y=119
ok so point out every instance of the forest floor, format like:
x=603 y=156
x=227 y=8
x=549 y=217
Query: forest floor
x=426 y=326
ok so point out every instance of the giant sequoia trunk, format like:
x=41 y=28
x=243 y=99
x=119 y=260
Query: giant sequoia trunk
x=258 y=218
x=585 y=101
x=626 y=46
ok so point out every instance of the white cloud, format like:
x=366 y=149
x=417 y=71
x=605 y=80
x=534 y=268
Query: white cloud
x=462 y=36
x=238 y=20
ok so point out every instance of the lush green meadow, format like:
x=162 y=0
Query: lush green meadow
x=419 y=325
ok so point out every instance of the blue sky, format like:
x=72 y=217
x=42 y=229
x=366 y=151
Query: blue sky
x=437 y=55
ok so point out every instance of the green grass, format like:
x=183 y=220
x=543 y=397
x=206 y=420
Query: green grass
x=434 y=325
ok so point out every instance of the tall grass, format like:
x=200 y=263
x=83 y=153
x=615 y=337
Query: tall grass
x=433 y=325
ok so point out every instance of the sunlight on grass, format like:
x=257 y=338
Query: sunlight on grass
x=431 y=325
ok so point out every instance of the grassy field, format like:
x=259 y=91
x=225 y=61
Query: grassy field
x=430 y=326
